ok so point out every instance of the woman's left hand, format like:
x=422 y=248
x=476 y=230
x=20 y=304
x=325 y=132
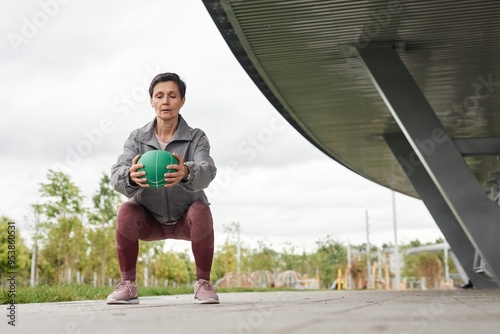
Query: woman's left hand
x=176 y=177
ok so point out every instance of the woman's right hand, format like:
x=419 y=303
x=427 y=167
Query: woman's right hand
x=138 y=177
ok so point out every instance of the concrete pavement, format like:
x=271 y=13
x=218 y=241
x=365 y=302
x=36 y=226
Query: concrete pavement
x=451 y=311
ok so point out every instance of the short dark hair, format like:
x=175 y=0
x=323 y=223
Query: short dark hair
x=162 y=77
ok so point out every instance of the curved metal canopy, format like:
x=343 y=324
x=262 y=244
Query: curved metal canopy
x=302 y=54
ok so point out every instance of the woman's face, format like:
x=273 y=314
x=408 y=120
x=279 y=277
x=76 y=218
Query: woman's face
x=166 y=100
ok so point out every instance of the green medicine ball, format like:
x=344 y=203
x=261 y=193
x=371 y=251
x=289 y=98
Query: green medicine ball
x=155 y=165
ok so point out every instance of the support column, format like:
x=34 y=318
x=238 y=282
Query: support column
x=437 y=206
x=477 y=215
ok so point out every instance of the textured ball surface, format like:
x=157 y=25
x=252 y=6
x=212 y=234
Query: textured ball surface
x=155 y=165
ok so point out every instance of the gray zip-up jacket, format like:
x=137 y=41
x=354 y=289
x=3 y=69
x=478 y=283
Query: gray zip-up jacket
x=167 y=205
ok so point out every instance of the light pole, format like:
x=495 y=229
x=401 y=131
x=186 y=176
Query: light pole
x=368 y=248
x=396 y=247
x=234 y=228
x=238 y=247
x=349 y=277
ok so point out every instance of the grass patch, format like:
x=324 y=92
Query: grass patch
x=74 y=292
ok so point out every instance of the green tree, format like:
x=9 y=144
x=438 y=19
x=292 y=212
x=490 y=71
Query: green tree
x=176 y=267
x=232 y=256
x=328 y=258
x=37 y=213
x=190 y=266
x=101 y=232
x=263 y=258
x=148 y=263
x=160 y=265
x=288 y=258
x=63 y=234
x=20 y=258
x=224 y=261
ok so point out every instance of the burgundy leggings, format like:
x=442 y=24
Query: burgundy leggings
x=134 y=223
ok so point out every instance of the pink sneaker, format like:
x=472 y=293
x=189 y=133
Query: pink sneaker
x=124 y=293
x=204 y=293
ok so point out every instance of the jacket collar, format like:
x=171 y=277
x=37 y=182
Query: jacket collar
x=146 y=134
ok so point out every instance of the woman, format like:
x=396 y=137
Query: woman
x=179 y=210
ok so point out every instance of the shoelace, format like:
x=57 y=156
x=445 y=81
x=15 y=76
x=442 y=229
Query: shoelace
x=122 y=286
x=207 y=286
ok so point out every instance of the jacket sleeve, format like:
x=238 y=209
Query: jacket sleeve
x=202 y=168
x=120 y=177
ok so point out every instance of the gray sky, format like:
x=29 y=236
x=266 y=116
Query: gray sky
x=74 y=85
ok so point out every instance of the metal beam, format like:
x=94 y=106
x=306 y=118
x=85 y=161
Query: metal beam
x=478 y=146
x=477 y=215
x=437 y=206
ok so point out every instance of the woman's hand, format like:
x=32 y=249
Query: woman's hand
x=138 y=177
x=176 y=177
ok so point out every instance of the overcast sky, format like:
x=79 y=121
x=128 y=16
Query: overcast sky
x=73 y=85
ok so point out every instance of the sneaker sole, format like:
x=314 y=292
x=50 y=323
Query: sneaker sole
x=117 y=301
x=206 y=301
